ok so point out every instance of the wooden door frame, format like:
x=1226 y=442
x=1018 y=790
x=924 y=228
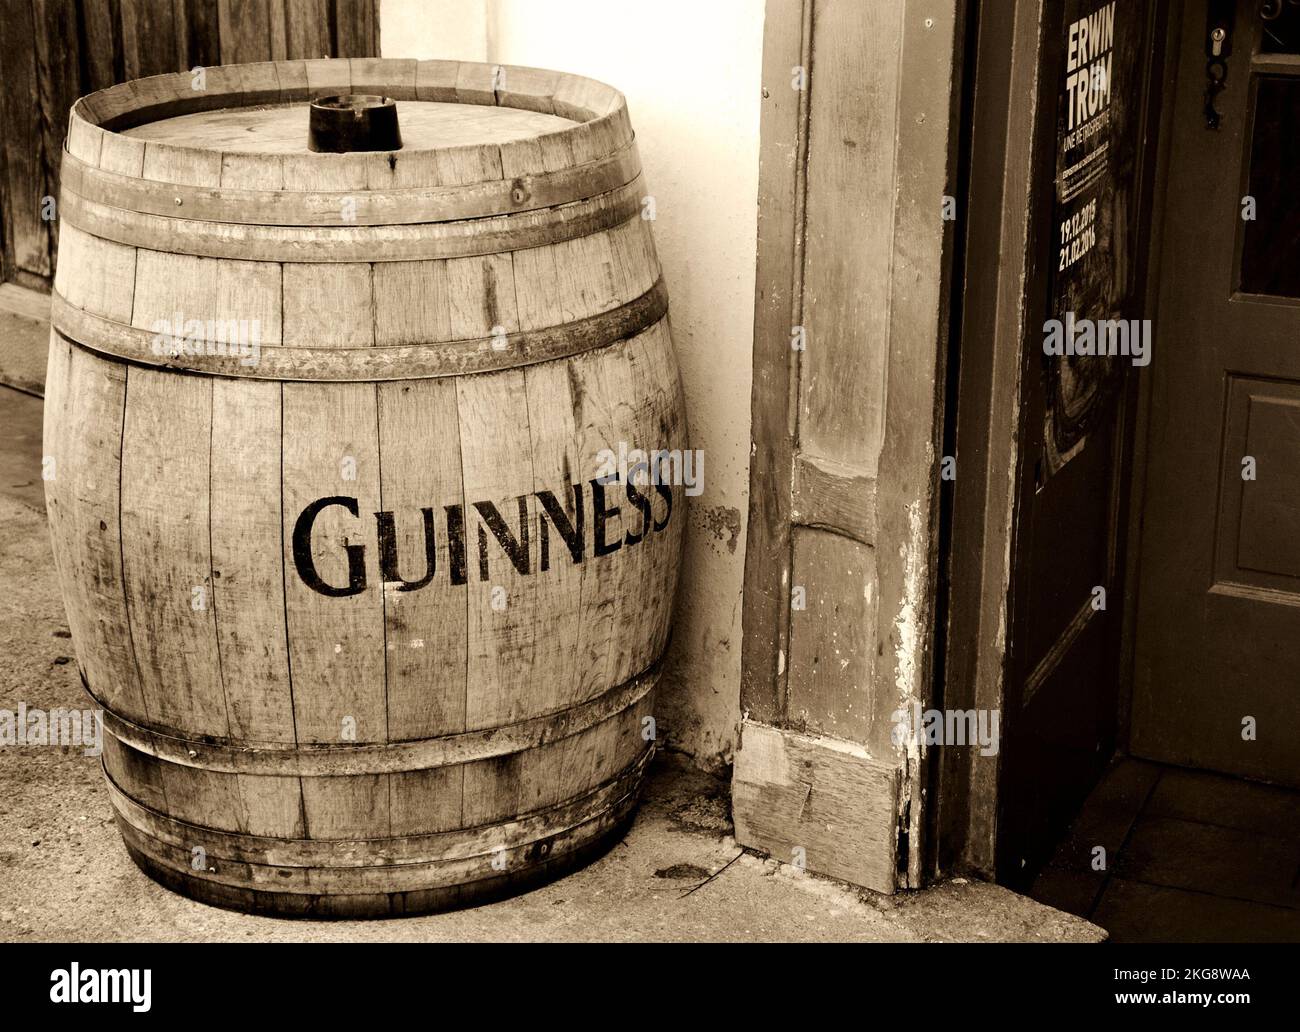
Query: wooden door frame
x=1169 y=28
x=875 y=793
x=1003 y=112
x=1004 y=95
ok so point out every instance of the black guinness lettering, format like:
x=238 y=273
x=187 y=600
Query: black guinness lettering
x=642 y=504
x=601 y=515
x=571 y=531
x=456 y=543
x=516 y=548
x=666 y=493
x=302 y=551
x=388 y=552
x=570 y=525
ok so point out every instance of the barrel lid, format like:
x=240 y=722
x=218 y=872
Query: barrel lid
x=461 y=123
x=282 y=128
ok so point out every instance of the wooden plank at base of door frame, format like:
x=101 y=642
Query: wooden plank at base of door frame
x=817 y=802
x=870 y=791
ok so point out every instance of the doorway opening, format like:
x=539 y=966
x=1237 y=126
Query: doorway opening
x=1123 y=568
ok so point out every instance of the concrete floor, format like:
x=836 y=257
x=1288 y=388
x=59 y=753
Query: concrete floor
x=64 y=874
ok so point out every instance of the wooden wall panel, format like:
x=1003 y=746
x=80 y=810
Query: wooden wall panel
x=832 y=647
x=920 y=282
x=58 y=84
x=246 y=29
x=823 y=803
x=26 y=237
x=356 y=27
x=849 y=249
x=307 y=30
x=153 y=38
x=203 y=33
x=99 y=39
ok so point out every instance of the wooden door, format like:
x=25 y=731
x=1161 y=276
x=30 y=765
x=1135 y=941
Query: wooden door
x=1217 y=674
x=1086 y=208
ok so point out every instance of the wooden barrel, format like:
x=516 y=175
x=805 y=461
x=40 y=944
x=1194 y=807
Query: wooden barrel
x=334 y=444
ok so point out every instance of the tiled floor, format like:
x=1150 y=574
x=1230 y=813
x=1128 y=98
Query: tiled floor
x=1163 y=854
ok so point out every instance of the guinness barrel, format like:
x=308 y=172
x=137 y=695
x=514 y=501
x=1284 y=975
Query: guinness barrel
x=363 y=478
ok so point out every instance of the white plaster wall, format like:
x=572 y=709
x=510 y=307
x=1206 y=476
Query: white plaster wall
x=691 y=73
x=433 y=30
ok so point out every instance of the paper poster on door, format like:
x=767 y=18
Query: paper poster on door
x=1097 y=124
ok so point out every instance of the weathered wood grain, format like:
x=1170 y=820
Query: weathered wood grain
x=246 y=28
x=248 y=574
x=336 y=644
x=102 y=56
x=589 y=398
x=84 y=409
x=425 y=613
x=166 y=550
x=778 y=300
x=834 y=497
x=26 y=237
x=356 y=24
x=818 y=802
x=557 y=461
x=501 y=538
x=150 y=40
x=58 y=79
x=849 y=249
x=832 y=653
x=329 y=305
x=307 y=29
